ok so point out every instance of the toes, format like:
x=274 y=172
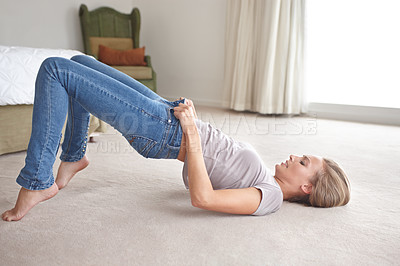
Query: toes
x=4 y=216
x=8 y=216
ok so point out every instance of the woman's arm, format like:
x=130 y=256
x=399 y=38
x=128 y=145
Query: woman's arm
x=202 y=194
x=199 y=183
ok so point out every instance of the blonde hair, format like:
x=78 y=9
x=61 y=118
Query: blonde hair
x=331 y=187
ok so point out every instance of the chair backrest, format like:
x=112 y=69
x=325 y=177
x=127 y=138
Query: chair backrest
x=109 y=27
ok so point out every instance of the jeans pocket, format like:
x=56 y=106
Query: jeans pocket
x=141 y=144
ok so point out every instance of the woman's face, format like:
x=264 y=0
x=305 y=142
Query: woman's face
x=298 y=170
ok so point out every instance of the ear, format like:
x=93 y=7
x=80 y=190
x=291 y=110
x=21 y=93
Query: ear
x=306 y=188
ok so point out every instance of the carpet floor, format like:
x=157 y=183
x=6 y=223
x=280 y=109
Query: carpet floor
x=127 y=210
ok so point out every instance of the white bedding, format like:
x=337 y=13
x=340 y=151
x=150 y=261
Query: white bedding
x=18 y=69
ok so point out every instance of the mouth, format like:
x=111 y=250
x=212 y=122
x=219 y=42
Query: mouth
x=285 y=164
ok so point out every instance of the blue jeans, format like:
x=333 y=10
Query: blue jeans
x=81 y=86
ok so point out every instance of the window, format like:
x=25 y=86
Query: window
x=353 y=52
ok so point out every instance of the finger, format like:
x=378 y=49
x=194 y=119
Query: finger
x=180 y=109
x=183 y=105
x=180 y=106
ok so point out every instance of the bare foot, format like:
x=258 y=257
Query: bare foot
x=67 y=170
x=27 y=199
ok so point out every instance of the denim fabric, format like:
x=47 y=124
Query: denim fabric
x=81 y=86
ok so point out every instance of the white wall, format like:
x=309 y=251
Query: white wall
x=186 y=41
x=185 y=38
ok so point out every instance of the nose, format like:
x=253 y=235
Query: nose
x=291 y=157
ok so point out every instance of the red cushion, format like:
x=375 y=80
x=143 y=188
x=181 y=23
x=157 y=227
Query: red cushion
x=112 y=57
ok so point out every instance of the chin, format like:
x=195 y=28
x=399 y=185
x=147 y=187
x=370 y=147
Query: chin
x=277 y=169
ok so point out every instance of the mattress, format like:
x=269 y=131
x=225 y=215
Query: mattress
x=18 y=69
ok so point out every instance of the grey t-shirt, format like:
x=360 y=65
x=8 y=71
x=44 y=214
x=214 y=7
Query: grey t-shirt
x=232 y=164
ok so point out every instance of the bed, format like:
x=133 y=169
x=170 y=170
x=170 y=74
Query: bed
x=18 y=70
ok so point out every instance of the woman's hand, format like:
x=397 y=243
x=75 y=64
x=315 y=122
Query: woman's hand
x=189 y=103
x=186 y=116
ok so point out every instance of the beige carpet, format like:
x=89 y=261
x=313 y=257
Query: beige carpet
x=127 y=210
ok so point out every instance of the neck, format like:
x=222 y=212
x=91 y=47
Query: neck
x=285 y=190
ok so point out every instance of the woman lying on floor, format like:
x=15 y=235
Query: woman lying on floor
x=221 y=174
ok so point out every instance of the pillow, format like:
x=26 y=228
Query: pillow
x=111 y=42
x=132 y=57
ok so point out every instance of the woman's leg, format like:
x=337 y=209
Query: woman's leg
x=73 y=158
x=76 y=132
x=144 y=121
x=115 y=74
x=75 y=138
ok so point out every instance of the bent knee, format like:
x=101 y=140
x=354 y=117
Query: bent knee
x=52 y=62
x=55 y=65
x=78 y=58
x=82 y=59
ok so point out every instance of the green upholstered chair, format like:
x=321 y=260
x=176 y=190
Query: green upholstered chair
x=116 y=30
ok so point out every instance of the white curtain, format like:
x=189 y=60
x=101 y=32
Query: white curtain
x=264 y=47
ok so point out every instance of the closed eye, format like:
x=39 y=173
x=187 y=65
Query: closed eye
x=305 y=158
